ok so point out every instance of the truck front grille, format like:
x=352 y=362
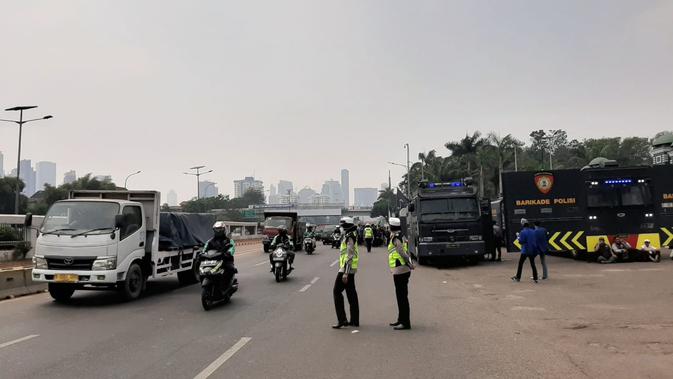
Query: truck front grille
x=70 y=263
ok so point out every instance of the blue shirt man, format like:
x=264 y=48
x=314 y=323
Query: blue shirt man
x=529 y=250
x=541 y=239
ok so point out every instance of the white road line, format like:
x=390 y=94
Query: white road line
x=333 y=263
x=304 y=288
x=26 y=338
x=261 y=263
x=315 y=280
x=208 y=371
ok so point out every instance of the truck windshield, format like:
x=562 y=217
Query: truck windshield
x=75 y=217
x=453 y=209
x=277 y=222
x=608 y=197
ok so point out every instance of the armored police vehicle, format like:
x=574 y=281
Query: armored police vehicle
x=449 y=220
x=578 y=207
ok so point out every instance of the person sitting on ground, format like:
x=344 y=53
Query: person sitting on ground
x=651 y=252
x=621 y=249
x=605 y=254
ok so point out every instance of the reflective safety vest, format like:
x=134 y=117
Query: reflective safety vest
x=393 y=255
x=369 y=233
x=343 y=258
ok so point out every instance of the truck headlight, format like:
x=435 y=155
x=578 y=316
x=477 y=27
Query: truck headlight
x=426 y=239
x=40 y=263
x=104 y=263
x=475 y=237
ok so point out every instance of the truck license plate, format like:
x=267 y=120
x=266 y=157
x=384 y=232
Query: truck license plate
x=66 y=278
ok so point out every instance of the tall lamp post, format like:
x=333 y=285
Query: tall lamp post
x=408 y=176
x=20 y=122
x=130 y=175
x=198 y=174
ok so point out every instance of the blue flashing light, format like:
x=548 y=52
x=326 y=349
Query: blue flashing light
x=457 y=184
x=449 y=184
x=618 y=181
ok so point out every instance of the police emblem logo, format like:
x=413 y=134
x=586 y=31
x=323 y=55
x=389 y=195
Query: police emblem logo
x=544 y=181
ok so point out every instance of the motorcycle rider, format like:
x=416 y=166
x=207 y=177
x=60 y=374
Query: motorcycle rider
x=221 y=242
x=284 y=241
x=309 y=233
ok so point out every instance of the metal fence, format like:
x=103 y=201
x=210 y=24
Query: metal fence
x=13 y=234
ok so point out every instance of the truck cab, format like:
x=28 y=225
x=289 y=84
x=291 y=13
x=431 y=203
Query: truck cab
x=449 y=220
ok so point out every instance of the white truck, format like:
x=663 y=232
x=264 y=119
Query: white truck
x=106 y=240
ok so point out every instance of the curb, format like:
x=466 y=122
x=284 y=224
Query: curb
x=18 y=282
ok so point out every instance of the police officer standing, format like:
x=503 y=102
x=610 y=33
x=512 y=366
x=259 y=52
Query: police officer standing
x=345 y=279
x=400 y=265
x=369 y=237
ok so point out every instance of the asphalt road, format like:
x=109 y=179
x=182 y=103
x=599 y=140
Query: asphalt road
x=588 y=320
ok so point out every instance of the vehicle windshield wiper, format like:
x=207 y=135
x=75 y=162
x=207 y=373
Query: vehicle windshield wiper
x=89 y=231
x=55 y=231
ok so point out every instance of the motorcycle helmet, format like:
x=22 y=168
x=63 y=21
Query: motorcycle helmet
x=282 y=231
x=220 y=229
x=346 y=223
x=309 y=228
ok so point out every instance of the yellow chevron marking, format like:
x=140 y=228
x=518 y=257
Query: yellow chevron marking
x=517 y=243
x=670 y=237
x=563 y=240
x=576 y=242
x=653 y=237
x=592 y=241
x=553 y=243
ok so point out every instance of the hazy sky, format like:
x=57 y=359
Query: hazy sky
x=300 y=89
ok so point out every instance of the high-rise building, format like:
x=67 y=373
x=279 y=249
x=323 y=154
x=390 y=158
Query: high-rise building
x=172 y=198
x=306 y=196
x=345 y=187
x=365 y=197
x=332 y=190
x=69 y=177
x=285 y=187
x=249 y=182
x=2 y=165
x=103 y=178
x=28 y=176
x=46 y=174
x=208 y=189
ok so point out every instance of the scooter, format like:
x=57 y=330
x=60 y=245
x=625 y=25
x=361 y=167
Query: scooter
x=280 y=261
x=214 y=290
x=308 y=246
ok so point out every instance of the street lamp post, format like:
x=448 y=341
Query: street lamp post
x=406 y=146
x=130 y=175
x=20 y=122
x=198 y=174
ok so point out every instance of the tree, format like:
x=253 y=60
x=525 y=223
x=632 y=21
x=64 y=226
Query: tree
x=53 y=194
x=504 y=147
x=385 y=204
x=8 y=195
x=556 y=139
x=466 y=149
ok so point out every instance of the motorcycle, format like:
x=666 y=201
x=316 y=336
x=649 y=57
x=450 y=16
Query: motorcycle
x=336 y=241
x=213 y=289
x=281 y=264
x=308 y=246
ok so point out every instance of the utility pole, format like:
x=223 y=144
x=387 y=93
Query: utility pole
x=406 y=146
x=516 y=162
x=198 y=174
x=18 y=156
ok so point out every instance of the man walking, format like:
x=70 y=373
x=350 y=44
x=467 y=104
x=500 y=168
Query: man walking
x=369 y=237
x=528 y=250
x=542 y=242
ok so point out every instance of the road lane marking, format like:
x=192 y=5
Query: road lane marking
x=26 y=338
x=520 y=308
x=304 y=288
x=315 y=280
x=261 y=263
x=333 y=263
x=208 y=371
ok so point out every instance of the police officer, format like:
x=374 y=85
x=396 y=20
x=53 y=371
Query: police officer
x=345 y=279
x=369 y=237
x=400 y=265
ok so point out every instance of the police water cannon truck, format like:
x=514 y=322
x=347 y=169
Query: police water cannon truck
x=449 y=220
x=578 y=207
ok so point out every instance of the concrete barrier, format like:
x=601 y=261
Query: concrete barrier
x=17 y=282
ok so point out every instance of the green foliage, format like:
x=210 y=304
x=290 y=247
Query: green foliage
x=8 y=195
x=53 y=194
x=229 y=206
x=9 y=234
x=20 y=250
x=385 y=203
x=485 y=158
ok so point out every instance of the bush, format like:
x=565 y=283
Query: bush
x=20 y=250
x=7 y=233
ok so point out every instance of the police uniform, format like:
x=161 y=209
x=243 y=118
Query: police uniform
x=400 y=265
x=348 y=266
x=369 y=238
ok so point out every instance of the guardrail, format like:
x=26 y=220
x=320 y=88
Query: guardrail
x=18 y=282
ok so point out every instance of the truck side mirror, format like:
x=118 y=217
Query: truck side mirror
x=412 y=208
x=120 y=221
x=28 y=222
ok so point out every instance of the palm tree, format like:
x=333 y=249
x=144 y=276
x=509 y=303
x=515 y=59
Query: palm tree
x=466 y=149
x=502 y=145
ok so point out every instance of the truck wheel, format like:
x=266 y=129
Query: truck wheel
x=132 y=286
x=266 y=249
x=190 y=276
x=61 y=292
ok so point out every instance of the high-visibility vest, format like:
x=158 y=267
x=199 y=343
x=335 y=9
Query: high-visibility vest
x=393 y=255
x=343 y=258
x=369 y=233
